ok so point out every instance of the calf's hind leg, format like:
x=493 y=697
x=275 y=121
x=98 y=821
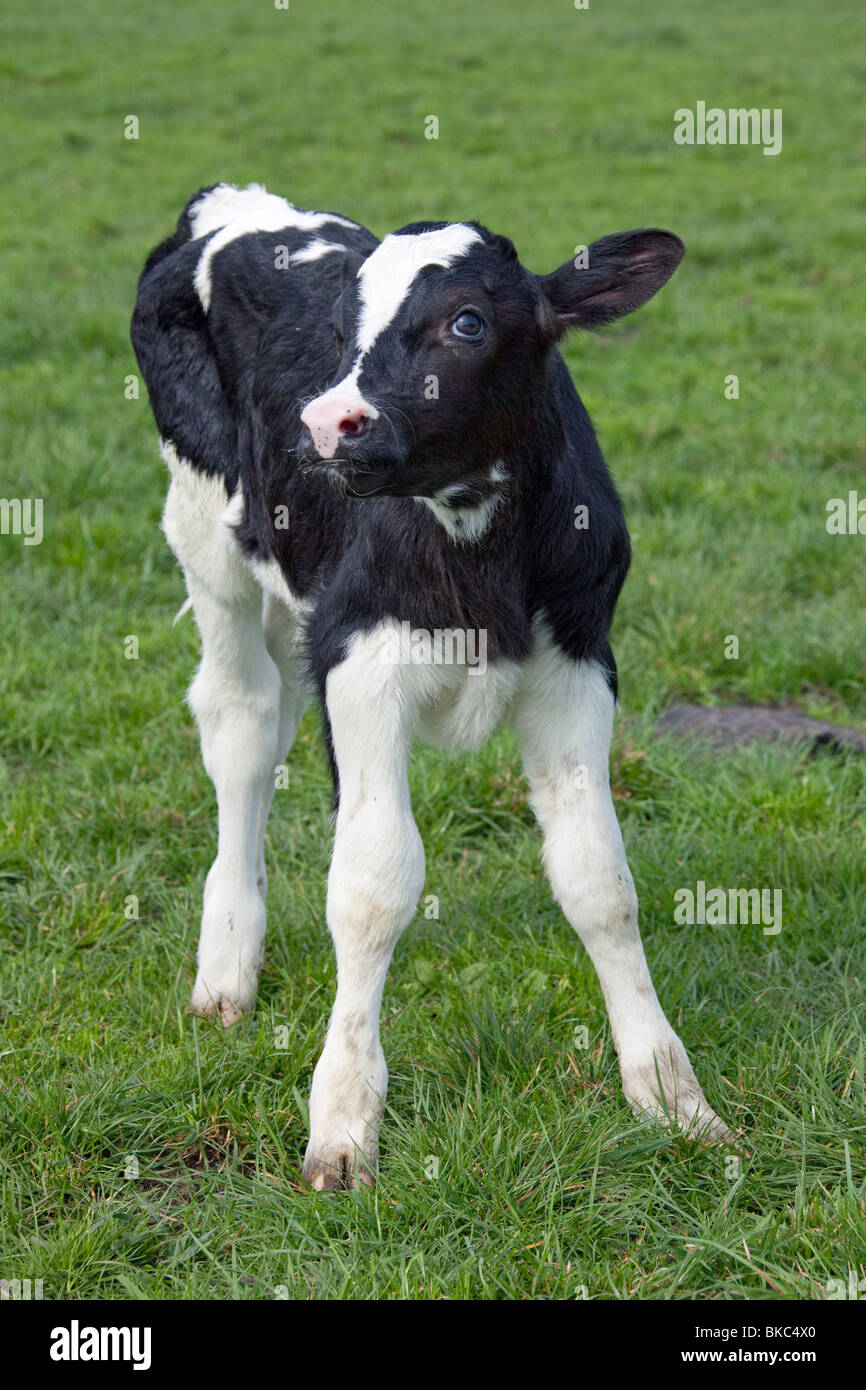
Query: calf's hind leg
x=235 y=697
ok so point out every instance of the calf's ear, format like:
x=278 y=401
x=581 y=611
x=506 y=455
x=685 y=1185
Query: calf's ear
x=614 y=276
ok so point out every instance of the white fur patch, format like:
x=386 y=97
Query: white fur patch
x=227 y=213
x=465 y=524
x=199 y=521
x=314 y=250
x=452 y=705
x=462 y=523
x=233 y=513
x=469 y=705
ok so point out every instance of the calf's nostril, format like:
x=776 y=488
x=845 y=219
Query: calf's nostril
x=352 y=424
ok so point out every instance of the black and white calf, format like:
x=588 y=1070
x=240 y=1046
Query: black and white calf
x=367 y=435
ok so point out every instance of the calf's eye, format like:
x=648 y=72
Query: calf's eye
x=468 y=325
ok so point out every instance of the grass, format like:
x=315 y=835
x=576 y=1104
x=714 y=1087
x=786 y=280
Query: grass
x=555 y=127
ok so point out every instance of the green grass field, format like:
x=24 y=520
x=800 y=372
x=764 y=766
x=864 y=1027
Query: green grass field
x=512 y=1167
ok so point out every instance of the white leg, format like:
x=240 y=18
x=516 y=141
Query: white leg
x=247 y=697
x=236 y=699
x=564 y=719
x=376 y=877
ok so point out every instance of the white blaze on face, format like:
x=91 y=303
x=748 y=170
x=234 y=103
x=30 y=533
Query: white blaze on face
x=387 y=275
x=384 y=282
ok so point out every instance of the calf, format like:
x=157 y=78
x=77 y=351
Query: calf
x=368 y=440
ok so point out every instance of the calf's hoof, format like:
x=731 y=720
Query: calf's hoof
x=665 y=1088
x=338 y=1169
x=228 y=1005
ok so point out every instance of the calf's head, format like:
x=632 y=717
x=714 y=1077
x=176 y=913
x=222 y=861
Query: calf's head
x=445 y=340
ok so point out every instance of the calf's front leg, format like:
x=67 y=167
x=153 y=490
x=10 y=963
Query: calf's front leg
x=564 y=720
x=375 y=880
